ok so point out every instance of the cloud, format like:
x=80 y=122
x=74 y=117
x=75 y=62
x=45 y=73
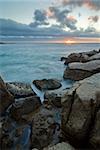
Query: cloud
x=40 y=18
x=93 y=18
x=90 y=30
x=11 y=28
x=91 y=4
x=61 y=16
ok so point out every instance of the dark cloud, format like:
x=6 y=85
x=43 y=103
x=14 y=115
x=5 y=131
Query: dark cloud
x=90 y=30
x=40 y=18
x=94 y=18
x=12 y=28
x=91 y=4
x=62 y=18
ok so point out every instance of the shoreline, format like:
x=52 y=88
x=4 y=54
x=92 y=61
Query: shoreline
x=33 y=121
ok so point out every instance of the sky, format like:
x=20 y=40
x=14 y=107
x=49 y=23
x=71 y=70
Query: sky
x=66 y=16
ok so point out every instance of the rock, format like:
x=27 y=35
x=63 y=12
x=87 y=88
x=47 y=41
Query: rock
x=75 y=74
x=54 y=97
x=79 y=71
x=45 y=84
x=20 y=90
x=60 y=146
x=95 y=134
x=79 y=57
x=43 y=128
x=95 y=57
x=24 y=106
x=6 y=98
x=76 y=57
x=91 y=53
x=78 y=115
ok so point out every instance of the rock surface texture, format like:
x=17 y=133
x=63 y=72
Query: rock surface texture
x=80 y=107
x=20 y=90
x=77 y=70
x=60 y=146
x=45 y=84
x=24 y=106
x=6 y=98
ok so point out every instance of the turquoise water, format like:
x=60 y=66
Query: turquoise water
x=28 y=61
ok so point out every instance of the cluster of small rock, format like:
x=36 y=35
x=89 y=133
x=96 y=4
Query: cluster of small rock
x=67 y=119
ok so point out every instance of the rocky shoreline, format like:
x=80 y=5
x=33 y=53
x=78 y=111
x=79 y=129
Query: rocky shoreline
x=67 y=119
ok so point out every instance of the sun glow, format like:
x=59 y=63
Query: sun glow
x=69 y=42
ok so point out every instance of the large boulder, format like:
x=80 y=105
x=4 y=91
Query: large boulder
x=95 y=57
x=24 y=106
x=45 y=129
x=53 y=97
x=45 y=84
x=19 y=89
x=79 y=110
x=95 y=134
x=79 y=71
x=80 y=57
x=60 y=146
x=76 y=57
x=6 y=97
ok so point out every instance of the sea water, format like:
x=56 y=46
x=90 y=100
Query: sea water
x=26 y=60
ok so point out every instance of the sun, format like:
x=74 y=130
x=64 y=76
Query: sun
x=69 y=42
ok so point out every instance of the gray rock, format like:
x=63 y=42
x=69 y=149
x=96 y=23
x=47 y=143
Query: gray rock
x=60 y=146
x=19 y=89
x=24 y=106
x=43 y=128
x=45 y=84
x=6 y=98
x=78 y=115
x=79 y=71
x=95 y=57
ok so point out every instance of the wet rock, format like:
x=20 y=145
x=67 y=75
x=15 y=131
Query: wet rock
x=25 y=106
x=45 y=84
x=78 y=114
x=95 y=134
x=76 y=57
x=60 y=146
x=79 y=71
x=6 y=98
x=95 y=57
x=20 y=90
x=91 y=53
x=80 y=57
x=53 y=98
x=75 y=74
x=43 y=128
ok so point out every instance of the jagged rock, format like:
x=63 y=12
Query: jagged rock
x=81 y=57
x=95 y=133
x=79 y=71
x=20 y=90
x=45 y=84
x=78 y=115
x=6 y=97
x=53 y=99
x=44 y=128
x=95 y=57
x=25 y=106
x=60 y=146
x=76 y=57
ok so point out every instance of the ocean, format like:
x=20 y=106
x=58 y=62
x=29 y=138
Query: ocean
x=26 y=59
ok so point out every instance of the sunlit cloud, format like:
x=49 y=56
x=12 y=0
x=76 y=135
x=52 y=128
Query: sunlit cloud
x=91 y=4
x=93 y=18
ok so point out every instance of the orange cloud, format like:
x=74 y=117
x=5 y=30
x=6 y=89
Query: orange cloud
x=91 y=4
